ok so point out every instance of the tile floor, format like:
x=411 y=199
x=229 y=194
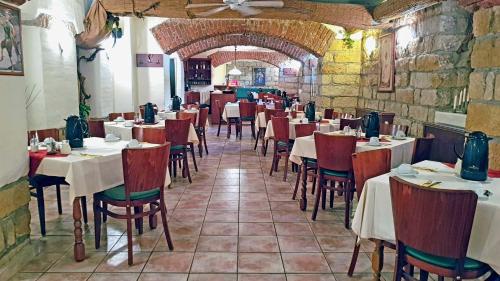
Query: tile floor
x=234 y=222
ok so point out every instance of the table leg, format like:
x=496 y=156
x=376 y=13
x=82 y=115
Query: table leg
x=303 y=190
x=377 y=260
x=79 y=247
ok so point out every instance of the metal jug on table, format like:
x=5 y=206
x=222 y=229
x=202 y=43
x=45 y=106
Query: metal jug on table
x=311 y=111
x=176 y=103
x=475 y=157
x=149 y=113
x=371 y=125
x=75 y=130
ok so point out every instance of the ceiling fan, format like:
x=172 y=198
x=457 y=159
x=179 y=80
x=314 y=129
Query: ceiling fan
x=244 y=7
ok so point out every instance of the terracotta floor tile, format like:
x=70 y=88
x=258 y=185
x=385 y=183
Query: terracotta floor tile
x=256 y=229
x=223 y=205
x=262 y=277
x=284 y=206
x=298 y=244
x=255 y=205
x=67 y=263
x=329 y=229
x=339 y=262
x=163 y=277
x=343 y=244
x=181 y=244
x=140 y=243
x=169 y=262
x=310 y=277
x=214 y=263
x=355 y=277
x=181 y=228
x=226 y=188
x=188 y=215
x=42 y=262
x=293 y=229
x=253 y=196
x=259 y=263
x=284 y=197
x=221 y=216
x=219 y=228
x=114 y=277
x=255 y=216
x=64 y=276
x=255 y=244
x=26 y=276
x=289 y=216
x=213 y=277
x=192 y=204
x=217 y=244
x=222 y=196
x=118 y=262
x=305 y=263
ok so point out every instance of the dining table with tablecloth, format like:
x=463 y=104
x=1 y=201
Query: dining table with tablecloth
x=373 y=218
x=326 y=126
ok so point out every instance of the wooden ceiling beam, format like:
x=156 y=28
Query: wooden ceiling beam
x=15 y=2
x=394 y=8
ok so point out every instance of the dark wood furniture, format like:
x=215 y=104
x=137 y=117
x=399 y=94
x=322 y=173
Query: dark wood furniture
x=334 y=165
x=367 y=165
x=308 y=166
x=125 y=115
x=433 y=228
x=216 y=115
x=150 y=135
x=300 y=107
x=386 y=129
x=43 y=134
x=192 y=97
x=144 y=172
x=352 y=123
x=446 y=138
x=282 y=145
x=269 y=113
x=198 y=71
x=96 y=128
x=201 y=130
x=177 y=133
x=386 y=117
x=328 y=114
x=192 y=117
x=247 y=114
x=422 y=149
x=262 y=129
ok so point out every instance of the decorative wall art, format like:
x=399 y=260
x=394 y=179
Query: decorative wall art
x=149 y=60
x=387 y=57
x=259 y=76
x=11 y=56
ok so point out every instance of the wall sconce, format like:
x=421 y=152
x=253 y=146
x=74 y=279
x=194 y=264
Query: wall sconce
x=404 y=36
x=370 y=45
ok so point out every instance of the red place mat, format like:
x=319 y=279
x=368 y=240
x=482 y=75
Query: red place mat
x=37 y=157
x=491 y=173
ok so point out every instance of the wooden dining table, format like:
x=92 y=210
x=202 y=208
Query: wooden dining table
x=373 y=218
x=304 y=147
x=88 y=170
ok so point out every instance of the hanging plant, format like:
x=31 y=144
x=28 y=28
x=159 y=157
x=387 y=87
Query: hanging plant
x=113 y=25
x=348 y=42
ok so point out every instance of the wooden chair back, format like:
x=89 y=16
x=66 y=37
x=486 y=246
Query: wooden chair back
x=144 y=168
x=203 y=117
x=151 y=135
x=432 y=220
x=191 y=106
x=387 y=129
x=129 y=115
x=386 y=117
x=96 y=128
x=278 y=105
x=334 y=152
x=192 y=97
x=328 y=113
x=281 y=129
x=43 y=134
x=141 y=110
x=112 y=116
x=422 y=149
x=187 y=115
x=302 y=130
x=219 y=107
x=248 y=109
x=300 y=107
x=352 y=123
x=370 y=164
x=261 y=108
x=177 y=131
x=272 y=112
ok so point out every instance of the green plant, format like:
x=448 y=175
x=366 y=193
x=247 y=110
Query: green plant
x=113 y=26
x=348 y=42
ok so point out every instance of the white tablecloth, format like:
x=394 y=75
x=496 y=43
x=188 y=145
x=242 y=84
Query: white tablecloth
x=374 y=218
x=125 y=133
x=231 y=110
x=94 y=168
x=332 y=126
x=402 y=150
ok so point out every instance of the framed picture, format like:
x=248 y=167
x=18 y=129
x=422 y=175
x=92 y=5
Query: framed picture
x=11 y=56
x=290 y=71
x=149 y=60
x=259 y=76
x=387 y=61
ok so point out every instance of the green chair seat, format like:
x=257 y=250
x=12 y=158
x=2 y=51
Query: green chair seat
x=118 y=193
x=334 y=173
x=469 y=264
x=177 y=147
x=311 y=160
x=282 y=143
x=248 y=118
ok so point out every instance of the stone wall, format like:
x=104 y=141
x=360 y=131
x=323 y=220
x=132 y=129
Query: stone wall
x=484 y=109
x=246 y=68
x=432 y=65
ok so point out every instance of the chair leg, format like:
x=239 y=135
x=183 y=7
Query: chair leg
x=252 y=125
x=297 y=181
x=129 y=236
x=200 y=145
x=104 y=215
x=318 y=194
x=186 y=166
x=286 y=167
x=240 y=126
x=332 y=193
x=218 y=130
x=272 y=164
x=265 y=147
x=228 y=127
x=398 y=271
x=314 y=185
x=354 y=257
x=163 y=211
x=347 y=196
x=58 y=195
x=152 y=217
x=424 y=275
x=194 y=158
x=97 y=223
x=41 y=209
x=205 y=141
x=139 y=221
x=84 y=209
x=256 y=140
x=323 y=197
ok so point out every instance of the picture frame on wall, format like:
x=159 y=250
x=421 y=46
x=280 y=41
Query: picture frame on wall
x=259 y=76
x=387 y=63
x=11 y=55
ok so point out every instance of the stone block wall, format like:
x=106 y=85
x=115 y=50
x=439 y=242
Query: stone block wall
x=246 y=68
x=14 y=216
x=484 y=88
x=433 y=49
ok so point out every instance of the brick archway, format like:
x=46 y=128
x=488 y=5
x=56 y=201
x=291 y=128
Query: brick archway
x=175 y=34
x=222 y=57
x=271 y=43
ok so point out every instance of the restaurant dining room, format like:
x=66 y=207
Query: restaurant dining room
x=249 y=140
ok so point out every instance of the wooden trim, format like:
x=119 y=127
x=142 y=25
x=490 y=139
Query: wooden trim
x=394 y=8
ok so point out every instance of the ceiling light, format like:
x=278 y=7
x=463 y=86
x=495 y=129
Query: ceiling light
x=235 y=71
x=370 y=45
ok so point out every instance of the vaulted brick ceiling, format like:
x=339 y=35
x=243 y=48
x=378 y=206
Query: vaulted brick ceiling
x=258 y=40
x=222 y=57
x=175 y=34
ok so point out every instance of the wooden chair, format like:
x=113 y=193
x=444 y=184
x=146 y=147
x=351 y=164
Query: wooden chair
x=96 y=128
x=367 y=165
x=269 y=113
x=221 y=120
x=141 y=110
x=386 y=118
x=422 y=149
x=144 y=172
x=201 y=130
x=282 y=146
x=433 y=228
x=112 y=116
x=129 y=115
x=247 y=114
x=300 y=107
x=308 y=165
x=39 y=182
x=387 y=129
x=335 y=165
x=352 y=123
x=192 y=117
x=193 y=97
x=278 y=105
x=177 y=133
x=150 y=135
x=328 y=113
x=261 y=130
